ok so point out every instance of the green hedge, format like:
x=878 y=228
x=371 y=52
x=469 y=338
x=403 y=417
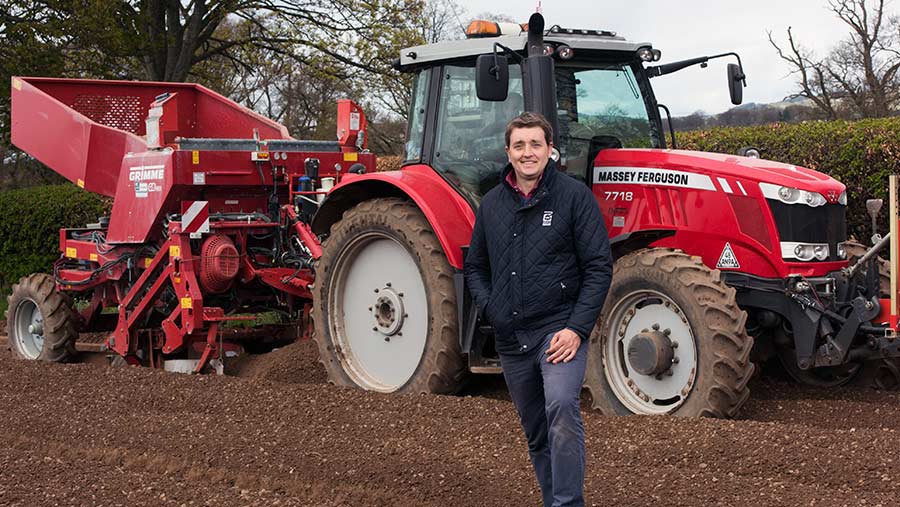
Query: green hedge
x=860 y=154
x=29 y=229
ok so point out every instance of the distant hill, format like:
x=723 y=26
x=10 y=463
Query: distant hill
x=795 y=101
x=790 y=111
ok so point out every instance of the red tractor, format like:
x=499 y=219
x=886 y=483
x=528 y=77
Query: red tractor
x=714 y=253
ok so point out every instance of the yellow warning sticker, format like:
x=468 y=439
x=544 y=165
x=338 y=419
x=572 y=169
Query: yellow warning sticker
x=71 y=252
x=187 y=303
x=93 y=257
x=147 y=262
x=80 y=183
x=174 y=251
x=351 y=157
x=17 y=84
x=177 y=279
x=195 y=157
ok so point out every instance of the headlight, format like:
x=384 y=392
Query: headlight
x=841 y=251
x=790 y=195
x=815 y=199
x=805 y=251
x=843 y=198
x=645 y=54
x=820 y=252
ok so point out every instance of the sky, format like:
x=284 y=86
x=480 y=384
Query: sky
x=688 y=28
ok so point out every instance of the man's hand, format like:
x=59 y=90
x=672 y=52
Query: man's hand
x=563 y=346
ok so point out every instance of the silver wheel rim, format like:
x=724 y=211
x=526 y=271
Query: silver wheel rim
x=378 y=312
x=646 y=394
x=29 y=328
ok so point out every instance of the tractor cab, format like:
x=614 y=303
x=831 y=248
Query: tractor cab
x=592 y=85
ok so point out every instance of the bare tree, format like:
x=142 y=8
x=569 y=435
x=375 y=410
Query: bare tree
x=859 y=77
x=811 y=74
x=441 y=20
x=162 y=40
x=496 y=17
x=180 y=34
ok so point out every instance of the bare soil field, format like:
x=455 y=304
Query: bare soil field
x=88 y=434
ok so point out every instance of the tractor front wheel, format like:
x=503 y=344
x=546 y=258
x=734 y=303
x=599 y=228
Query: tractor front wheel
x=40 y=322
x=670 y=340
x=385 y=303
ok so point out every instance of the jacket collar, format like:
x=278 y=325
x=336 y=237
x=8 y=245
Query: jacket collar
x=543 y=185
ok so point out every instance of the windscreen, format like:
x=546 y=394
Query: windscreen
x=598 y=108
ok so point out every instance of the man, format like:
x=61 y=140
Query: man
x=539 y=268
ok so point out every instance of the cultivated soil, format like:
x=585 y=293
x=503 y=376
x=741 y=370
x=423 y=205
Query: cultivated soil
x=88 y=434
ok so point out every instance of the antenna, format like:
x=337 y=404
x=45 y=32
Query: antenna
x=539 y=8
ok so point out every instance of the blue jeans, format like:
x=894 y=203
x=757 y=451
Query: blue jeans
x=547 y=397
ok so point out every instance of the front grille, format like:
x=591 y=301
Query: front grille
x=805 y=224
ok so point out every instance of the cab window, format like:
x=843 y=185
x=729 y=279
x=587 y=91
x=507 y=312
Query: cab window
x=416 y=134
x=469 y=140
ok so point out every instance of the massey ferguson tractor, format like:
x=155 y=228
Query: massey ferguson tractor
x=722 y=261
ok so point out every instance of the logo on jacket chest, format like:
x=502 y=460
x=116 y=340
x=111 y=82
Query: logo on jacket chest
x=547 y=219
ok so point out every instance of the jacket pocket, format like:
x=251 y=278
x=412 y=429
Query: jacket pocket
x=488 y=313
x=568 y=291
x=494 y=316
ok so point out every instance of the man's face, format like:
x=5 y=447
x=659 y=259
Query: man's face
x=528 y=152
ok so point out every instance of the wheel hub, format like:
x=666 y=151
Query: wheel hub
x=29 y=329
x=388 y=311
x=36 y=329
x=639 y=356
x=651 y=352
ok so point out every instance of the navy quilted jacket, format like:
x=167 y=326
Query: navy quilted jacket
x=539 y=265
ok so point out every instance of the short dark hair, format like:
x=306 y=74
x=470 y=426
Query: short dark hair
x=528 y=120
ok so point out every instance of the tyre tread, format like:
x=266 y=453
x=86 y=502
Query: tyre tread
x=726 y=321
x=443 y=369
x=60 y=319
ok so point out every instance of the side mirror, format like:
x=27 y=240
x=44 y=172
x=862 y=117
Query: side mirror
x=735 y=83
x=492 y=77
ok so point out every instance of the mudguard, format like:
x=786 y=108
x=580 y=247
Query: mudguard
x=450 y=215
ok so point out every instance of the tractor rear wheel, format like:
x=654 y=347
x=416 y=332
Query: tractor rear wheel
x=40 y=322
x=385 y=303
x=670 y=340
